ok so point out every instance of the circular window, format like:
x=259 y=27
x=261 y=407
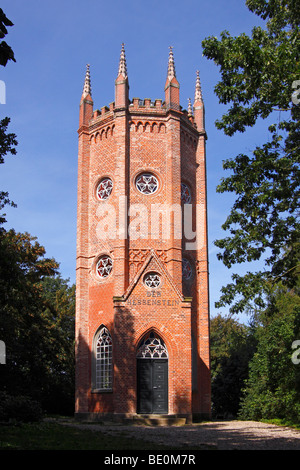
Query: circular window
x=152 y=280
x=104 y=266
x=186 y=195
x=146 y=183
x=104 y=189
x=187 y=270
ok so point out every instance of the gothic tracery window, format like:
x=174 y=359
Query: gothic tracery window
x=104 y=266
x=103 y=360
x=152 y=280
x=147 y=183
x=187 y=270
x=152 y=347
x=104 y=189
x=186 y=195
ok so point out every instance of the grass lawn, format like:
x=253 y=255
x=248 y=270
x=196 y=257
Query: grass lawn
x=55 y=436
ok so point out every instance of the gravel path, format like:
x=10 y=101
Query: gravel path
x=215 y=435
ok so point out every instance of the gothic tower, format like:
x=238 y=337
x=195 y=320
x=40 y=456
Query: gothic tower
x=142 y=306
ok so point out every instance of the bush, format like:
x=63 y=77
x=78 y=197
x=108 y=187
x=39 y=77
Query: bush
x=19 y=408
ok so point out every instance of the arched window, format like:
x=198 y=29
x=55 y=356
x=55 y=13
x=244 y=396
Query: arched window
x=102 y=367
x=152 y=347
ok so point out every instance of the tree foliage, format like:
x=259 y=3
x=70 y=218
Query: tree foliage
x=6 y=52
x=273 y=387
x=7 y=146
x=7 y=140
x=232 y=347
x=257 y=78
x=37 y=316
x=37 y=312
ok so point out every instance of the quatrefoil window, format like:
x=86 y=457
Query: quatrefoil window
x=104 y=266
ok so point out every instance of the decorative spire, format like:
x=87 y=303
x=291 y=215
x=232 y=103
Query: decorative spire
x=190 y=110
x=198 y=91
x=122 y=64
x=87 y=89
x=171 y=65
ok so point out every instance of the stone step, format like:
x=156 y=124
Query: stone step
x=156 y=420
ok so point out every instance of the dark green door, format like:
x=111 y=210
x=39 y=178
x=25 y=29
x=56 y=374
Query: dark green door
x=152 y=386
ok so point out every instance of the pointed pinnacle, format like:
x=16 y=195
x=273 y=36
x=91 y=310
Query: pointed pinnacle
x=122 y=63
x=171 y=65
x=87 y=89
x=190 y=111
x=198 y=91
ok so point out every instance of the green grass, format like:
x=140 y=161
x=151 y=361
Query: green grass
x=55 y=436
x=282 y=422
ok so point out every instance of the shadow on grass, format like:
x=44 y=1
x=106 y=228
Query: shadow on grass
x=55 y=436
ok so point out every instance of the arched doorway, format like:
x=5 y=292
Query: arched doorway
x=152 y=375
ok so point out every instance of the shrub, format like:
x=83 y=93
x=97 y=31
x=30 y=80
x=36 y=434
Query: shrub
x=19 y=408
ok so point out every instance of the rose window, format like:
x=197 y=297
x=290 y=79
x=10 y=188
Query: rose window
x=104 y=266
x=104 y=189
x=152 y=280
x=186 y=196
x=147 y=183
x=186 y=269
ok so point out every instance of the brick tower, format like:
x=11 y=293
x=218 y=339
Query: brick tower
x=142 y=304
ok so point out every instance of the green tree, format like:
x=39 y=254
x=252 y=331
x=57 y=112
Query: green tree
x=232 y=347
x=258 y=77
x=7 y=140
x=273 y=387
x=37 y=315
x=7 y=145
x=22 y=269
x=59 y=315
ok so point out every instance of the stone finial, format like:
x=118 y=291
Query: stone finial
x=87 y=89
x=171 y=65
x=198 y=91
x=122 y=63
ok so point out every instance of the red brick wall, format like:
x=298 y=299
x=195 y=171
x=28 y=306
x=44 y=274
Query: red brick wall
x=120 y=142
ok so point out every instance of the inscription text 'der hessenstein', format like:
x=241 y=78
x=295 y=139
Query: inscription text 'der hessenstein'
x=152 y=298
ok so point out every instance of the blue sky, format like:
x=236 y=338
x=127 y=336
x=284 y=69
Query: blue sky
x=53 y=42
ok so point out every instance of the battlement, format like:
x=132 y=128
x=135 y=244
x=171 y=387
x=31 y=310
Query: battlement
x=139 y=107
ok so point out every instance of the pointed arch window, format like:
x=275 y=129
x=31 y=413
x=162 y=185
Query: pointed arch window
x=187 y=270
x=152 y=347
x=186 y=195
x=103 y=366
